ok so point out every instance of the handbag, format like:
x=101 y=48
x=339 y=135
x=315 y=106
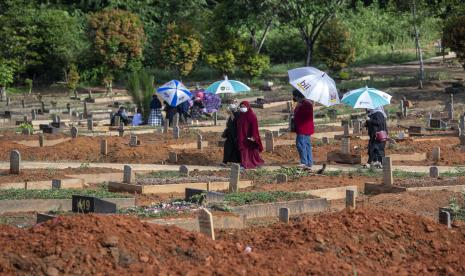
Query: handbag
x=381 y=136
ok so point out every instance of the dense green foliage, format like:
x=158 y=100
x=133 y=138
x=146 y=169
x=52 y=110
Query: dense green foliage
x=140 y=87
x=107 y=39
x=454 y=36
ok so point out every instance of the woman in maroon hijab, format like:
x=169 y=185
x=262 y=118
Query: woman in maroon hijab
x=248 y=137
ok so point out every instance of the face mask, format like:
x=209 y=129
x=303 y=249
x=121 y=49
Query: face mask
x=232 y=107
x=243 y=109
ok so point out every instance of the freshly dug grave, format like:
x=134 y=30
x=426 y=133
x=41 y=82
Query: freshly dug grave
x=424 y=203
x=48 y=174
x=366 y=241
x=431 y=182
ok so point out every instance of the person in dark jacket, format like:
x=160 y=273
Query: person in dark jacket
x=376 y=122
x=231 y=152
x=170 y=112
x=183 y=110
x=304 y=128
x=124 y=119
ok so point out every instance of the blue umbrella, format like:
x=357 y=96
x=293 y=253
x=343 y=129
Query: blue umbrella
x=227 y=86
x=370 y=98
x=174 y=93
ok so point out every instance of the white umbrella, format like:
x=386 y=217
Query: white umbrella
x=315 y=85
x=174 y=93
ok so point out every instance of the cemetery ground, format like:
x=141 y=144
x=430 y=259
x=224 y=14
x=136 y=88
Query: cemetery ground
x=276 y=219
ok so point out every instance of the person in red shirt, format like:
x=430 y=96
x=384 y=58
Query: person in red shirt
x=304 y=128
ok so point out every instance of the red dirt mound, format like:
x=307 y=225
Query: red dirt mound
x=365 y=241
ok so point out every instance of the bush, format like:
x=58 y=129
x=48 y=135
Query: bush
x=254 y=65
x=454 y=37
x=73 y=78
x=6 y=74
x=335 y=47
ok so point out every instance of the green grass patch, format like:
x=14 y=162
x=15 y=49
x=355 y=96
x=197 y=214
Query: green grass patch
x=163 y=174
x=244 y=198
x=457 y=207
x=17 y=194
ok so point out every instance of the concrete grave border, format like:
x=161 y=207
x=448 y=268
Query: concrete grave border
x=172 y=188
x=45 y=205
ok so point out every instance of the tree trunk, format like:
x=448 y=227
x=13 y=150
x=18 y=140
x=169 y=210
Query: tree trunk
x=2 y=93
x=417 y=46
x=309 y=59
x=253 y=39
x=265 y=34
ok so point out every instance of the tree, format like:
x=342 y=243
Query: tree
x=335 y=47
x=40 y=43
x=418 y=49
x=6 y=78
x=309 y=17
x=255 y=64
x=180 y=49
x=73 y=78
x=255 y=17
x=454 y=36
x=117 y=37
x=140 y=87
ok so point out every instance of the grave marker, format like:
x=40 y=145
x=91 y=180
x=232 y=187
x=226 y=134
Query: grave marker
x=234 y=178
x=166 y=126
x=127 y=174
x=451 y=107
x=89 y=204
x=387 y=171
x=281 y=178
x=103 y=147
x=42 y=106
x=15 y=162
x=7 y=101
x=176 y=120
x=332 y=114
x=117 y=120
x=325 y=140
x=173 y=157
x=345 y=148
x=90 y=124
x=350 y=198
x=289 y=107
x=436 y=154
x=85 y=110
x=357 y=127
x=284 y=215
x=346 y=130
x=269 y=141
x=434 y=172
x=25 y=119
x=133 y=141
x=184 y=170
x=74 y=132
x=445 y=218
x=121 y=130
x=206 y=223
x=33 y=114
x=41 y=140
x=462 y=122
x=22 y=103
x=215 y=118
x=433 y=123
x=176 y=132
x=199 y=141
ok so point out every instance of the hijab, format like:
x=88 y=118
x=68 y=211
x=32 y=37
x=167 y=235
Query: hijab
x=247 y=126
x=379 y=109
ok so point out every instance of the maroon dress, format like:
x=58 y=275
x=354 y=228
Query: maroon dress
x=248 y=139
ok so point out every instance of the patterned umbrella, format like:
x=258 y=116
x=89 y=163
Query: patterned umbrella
x=174 y=93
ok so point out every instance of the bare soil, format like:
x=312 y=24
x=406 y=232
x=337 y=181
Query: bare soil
x=366 y=241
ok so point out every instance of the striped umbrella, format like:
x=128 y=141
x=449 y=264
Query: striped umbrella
x=227 y=87
x=174 y=93
x=369 y=98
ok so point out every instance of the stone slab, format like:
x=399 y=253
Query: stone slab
x=374 y=189
x=408 y=157
x=172 y=188
x=268 y=105
x=45 y=205
x=296 y=207
x=188 y=145
x=331 y=193
x=452 y=188
x=67 y=183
